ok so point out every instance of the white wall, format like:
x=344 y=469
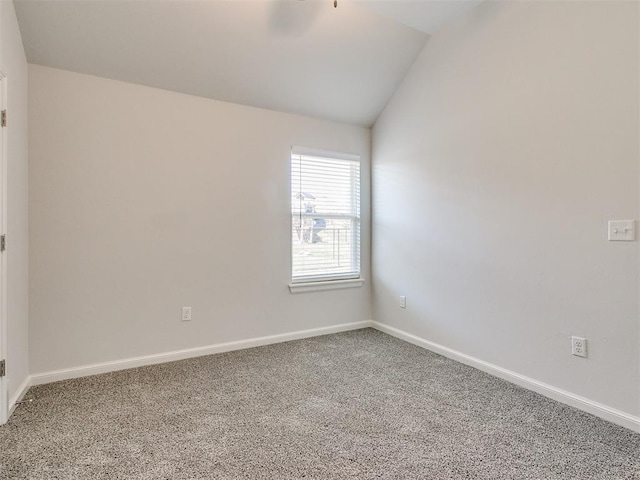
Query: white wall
x=496 y=166
x=144 y=201
x=13 y=66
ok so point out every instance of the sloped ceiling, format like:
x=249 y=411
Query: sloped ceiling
x=424 y=15
x=303 y=57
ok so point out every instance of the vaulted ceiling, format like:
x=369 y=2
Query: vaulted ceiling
x=304 y=57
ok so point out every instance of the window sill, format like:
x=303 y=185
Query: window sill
x=326 y=285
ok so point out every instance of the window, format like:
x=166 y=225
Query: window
x=325 y=216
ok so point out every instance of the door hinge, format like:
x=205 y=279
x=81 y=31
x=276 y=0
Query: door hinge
x=3 y=371
x=4 y=118
x=3 y=243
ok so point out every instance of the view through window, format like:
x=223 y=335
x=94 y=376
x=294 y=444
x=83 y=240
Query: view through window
x=325 y=215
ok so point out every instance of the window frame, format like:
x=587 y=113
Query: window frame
x=327 y=281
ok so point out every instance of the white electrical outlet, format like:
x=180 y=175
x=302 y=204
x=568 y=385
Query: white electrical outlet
x=579 y=346
x=186 y=314
x=403 y=301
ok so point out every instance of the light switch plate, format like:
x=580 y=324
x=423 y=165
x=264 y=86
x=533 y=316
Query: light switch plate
x=622 y=231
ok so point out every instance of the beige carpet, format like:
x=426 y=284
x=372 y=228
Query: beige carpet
x=357 y=405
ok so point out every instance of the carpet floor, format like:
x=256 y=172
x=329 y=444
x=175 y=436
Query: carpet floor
x=358 y=405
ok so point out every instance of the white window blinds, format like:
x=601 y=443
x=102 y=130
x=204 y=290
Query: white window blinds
x=325 y=215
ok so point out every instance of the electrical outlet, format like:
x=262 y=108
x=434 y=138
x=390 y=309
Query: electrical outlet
x=403 y=301
x=579 y=346
x=186 y=314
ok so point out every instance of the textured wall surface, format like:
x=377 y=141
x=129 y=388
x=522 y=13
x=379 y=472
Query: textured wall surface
x=145 y=201
x=496 y=166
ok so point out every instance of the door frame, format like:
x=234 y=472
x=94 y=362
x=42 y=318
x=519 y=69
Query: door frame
x=4 y=400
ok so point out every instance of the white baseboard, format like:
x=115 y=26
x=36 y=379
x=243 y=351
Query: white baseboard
x=603 y=411
x=19 y=395
x=105 y=367
x=611 y=414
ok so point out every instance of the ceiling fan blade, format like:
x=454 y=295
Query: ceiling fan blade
x=294 y=17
